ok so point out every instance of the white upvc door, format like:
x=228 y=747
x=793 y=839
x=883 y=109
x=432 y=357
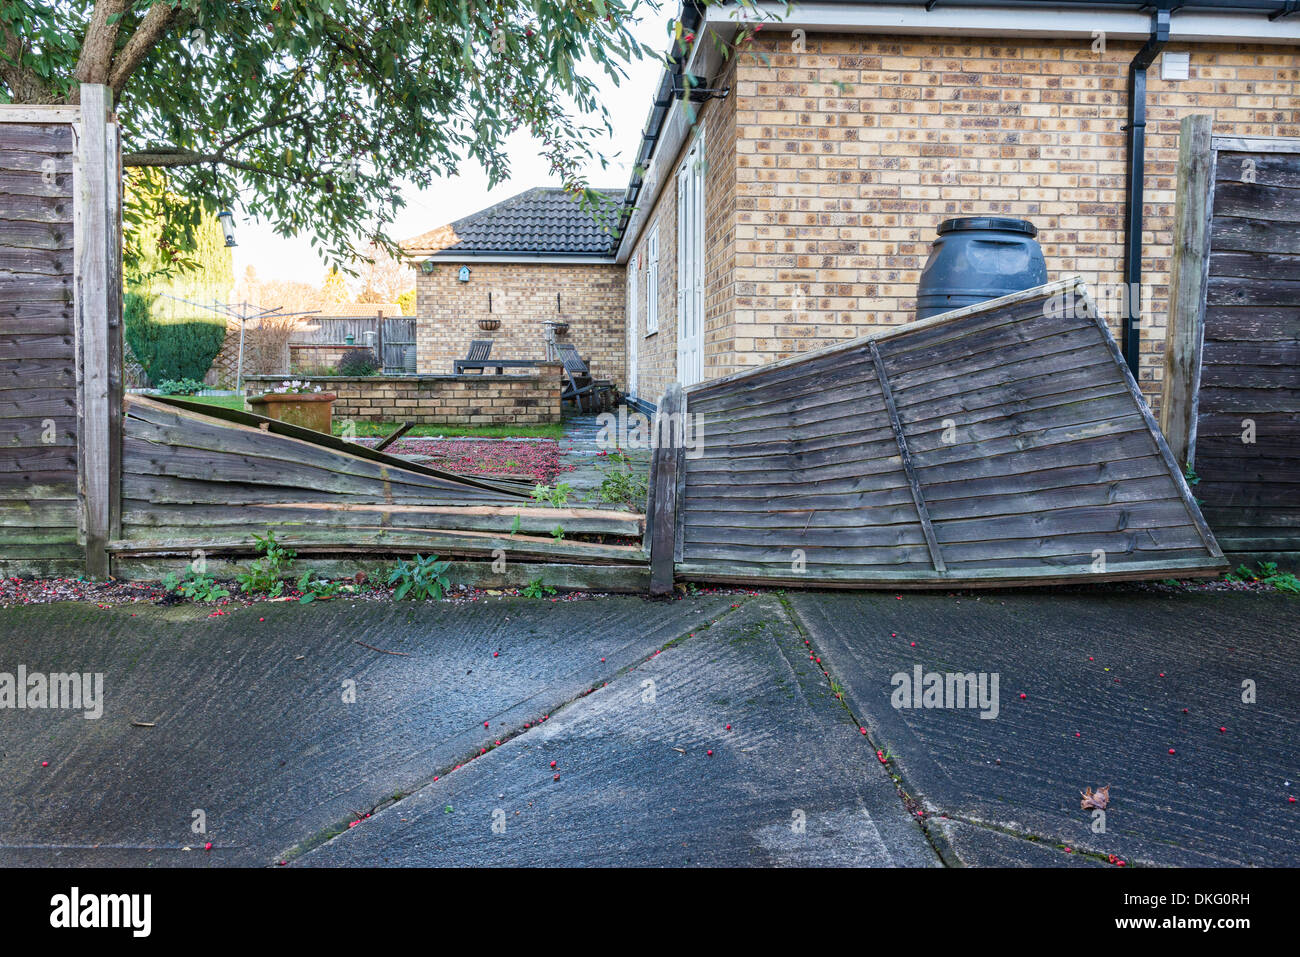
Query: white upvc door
x=690 y=266
x=633 y=323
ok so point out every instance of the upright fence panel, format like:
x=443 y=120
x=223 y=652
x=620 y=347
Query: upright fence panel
x=399 y=346
x=1232 y=391
x=38 y=378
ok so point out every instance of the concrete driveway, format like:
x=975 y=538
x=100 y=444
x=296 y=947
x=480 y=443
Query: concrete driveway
x=1150 y=694
x=352 y=734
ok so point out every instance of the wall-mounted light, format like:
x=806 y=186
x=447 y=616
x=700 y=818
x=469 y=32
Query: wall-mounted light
x=463 y=275
x=227 y=219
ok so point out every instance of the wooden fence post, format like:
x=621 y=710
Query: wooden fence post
x=1187 y=282
x=665 y=469
x=97 y=293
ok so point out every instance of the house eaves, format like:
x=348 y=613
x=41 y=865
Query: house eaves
x=1194 y=21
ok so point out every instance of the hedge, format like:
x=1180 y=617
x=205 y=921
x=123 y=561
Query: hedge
x=174 y=348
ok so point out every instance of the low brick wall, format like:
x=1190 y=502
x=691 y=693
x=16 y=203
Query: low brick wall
x=531 y=399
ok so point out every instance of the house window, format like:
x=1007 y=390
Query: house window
x=652 y=281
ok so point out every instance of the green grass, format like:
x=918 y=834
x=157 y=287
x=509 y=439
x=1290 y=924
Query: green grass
x=235 y=402
x=367 y=430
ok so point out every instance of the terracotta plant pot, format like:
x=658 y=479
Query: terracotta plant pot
x=489 y=325
x=311 y=410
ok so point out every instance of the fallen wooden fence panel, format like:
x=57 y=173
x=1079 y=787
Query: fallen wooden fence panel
x=1005 y=443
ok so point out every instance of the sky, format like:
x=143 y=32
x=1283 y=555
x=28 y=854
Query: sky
x=275 y=257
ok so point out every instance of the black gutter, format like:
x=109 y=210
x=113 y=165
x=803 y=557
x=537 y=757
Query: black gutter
x=692 y=13
x=1134 y=195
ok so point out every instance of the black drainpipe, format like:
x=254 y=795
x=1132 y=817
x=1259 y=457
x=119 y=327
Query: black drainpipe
x=1133 y=195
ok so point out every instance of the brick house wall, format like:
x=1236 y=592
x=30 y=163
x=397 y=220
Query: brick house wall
x=532 y=399
x=523 y=295
x=831 y=168
x=850 y=154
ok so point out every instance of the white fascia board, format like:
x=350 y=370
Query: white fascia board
x=539 y=259
x=991 y=20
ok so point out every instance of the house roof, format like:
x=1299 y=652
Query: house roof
x=545 y=221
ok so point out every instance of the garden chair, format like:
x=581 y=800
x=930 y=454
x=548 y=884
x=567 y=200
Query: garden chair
x=479 y=350
x=589 y=394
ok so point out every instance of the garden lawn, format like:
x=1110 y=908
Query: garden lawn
x=235 y=402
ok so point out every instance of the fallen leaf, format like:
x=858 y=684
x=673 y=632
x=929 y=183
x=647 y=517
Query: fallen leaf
x=1095 y=799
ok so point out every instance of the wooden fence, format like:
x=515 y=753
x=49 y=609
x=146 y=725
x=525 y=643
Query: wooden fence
x=60 y=297
x=1232 y=382
x=393 y=336
x=1005 y=443
x=94 y=483
x=1001 y=444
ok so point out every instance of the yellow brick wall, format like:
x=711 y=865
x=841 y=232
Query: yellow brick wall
x=523 y=295
x=851 y=153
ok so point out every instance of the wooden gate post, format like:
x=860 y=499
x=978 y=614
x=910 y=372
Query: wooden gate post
x=1187 y=281
x=97 y=292
x=665 y=472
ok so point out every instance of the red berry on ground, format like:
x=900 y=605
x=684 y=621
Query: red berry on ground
x=1171 y=751
x=552 y=764
x=1023 y=696
x=709 y=752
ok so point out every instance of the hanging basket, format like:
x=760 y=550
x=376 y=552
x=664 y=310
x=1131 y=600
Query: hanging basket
x=560 y=328
x=489 y=325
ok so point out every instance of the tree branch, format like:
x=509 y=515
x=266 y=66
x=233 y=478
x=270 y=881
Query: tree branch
x=262 y=127
x=101 y=36
x=146 y=36
x=24 y=84
x=171 y=158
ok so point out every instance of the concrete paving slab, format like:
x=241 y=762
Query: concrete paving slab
x=1113 y=680
x=249 y=722
x=975 y=845
x=792 y=783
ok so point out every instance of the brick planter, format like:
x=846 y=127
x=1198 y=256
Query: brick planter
x=312 y=410
x=471 y=399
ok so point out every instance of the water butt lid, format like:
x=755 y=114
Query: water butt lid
x=988 y=222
